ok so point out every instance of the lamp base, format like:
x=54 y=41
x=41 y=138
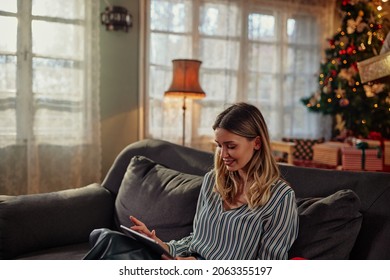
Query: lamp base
x=184 y=121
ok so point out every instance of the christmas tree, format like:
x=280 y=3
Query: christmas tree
x=358 y=109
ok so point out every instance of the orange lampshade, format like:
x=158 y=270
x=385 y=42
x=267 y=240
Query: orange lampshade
x=185 y=79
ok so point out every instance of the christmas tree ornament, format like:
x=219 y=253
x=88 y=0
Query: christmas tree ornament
x=372 y=90
x=339 y=123
x=361 y=27
x=352 y=24
x=344 y=102
x=340 y=93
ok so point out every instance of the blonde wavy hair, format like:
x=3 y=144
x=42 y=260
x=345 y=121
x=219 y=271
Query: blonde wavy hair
x=247 y=121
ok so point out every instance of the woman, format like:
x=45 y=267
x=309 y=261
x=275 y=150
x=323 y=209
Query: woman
x=245 y=210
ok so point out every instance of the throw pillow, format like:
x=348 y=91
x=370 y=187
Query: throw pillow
x=328 y=227
x=164 y=199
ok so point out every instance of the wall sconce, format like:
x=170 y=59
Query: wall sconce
x=185 y=83
x=116 y=18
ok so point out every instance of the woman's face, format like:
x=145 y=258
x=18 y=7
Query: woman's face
x=235 y=151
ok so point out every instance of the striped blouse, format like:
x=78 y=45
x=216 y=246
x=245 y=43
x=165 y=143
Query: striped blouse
x=264 y=233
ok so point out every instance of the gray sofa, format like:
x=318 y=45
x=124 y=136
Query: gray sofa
x=343 y=215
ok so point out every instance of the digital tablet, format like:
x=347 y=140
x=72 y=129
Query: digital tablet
x=151 y=243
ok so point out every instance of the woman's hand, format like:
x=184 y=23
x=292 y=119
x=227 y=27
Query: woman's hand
x=141 y=228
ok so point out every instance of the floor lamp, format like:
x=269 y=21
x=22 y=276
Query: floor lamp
x=185 y=83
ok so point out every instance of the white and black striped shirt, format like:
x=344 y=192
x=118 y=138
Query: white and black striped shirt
x=264 y=233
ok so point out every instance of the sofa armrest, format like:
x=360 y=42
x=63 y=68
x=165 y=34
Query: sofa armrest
x=39 y=221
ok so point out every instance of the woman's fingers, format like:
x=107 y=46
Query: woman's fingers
x=136 y=221
x=140 y=227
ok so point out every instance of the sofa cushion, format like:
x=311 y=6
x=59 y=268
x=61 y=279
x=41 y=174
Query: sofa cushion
x=36 y=222
x=328 y=227
x=164 y=199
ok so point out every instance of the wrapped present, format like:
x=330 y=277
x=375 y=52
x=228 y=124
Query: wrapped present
x=328 y=153
x=303 y=147
x=374 y=68
x=370 y=143
x=367 y=159
x=386 y=152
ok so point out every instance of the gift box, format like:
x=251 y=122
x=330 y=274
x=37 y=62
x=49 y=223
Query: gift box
x=374 y=68
x=386 y=152
x=362 y=159
x=371 y=143
x=328 y=153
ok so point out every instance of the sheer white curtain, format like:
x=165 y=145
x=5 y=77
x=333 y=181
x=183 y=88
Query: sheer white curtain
x=49 y=95
x=263 y=52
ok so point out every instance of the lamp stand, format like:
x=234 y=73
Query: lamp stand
x=184 y=121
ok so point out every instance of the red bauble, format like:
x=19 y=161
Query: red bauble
x=341 y=52
x=344 y=102
x=350 y=49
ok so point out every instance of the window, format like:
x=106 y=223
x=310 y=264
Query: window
x=263 y=52
x=44 y=61
x=49 y=95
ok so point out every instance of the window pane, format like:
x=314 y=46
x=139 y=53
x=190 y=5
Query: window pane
x=304 y=60
x=7 y=100
x=7 y=123
x=173 y=16
x=302 y=30
x=294 y=121
x=165 y=120
x=261 y=88
x=8 y=32
x=50 y=125
x=53 y=78
x=299 y=60
x=208 y=113
x=216 y=53
x=298 y=86
x=155 y=118
x=8 y=6
x=159 y=81
x=65 y=40
x=261 y=27
x=7 y=75
x=262 y=58
x=74 y=9
x=164 y=48
x=220 y=19
x=290 y=28
x=268 y=113
x=219 y=86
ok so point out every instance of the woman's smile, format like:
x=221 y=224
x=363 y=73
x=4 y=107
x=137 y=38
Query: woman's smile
x=228 y=162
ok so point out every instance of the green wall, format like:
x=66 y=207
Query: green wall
x=119 y=83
